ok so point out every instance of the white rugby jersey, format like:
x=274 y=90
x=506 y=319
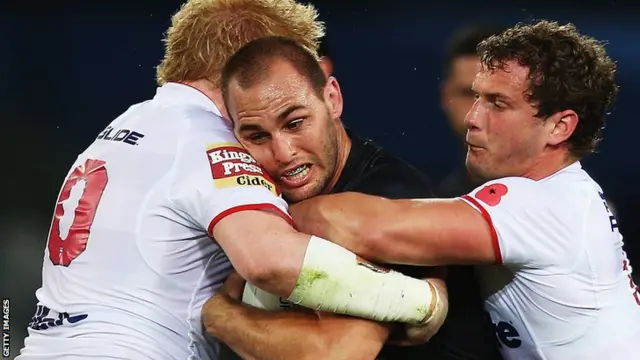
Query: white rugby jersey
x=129 y=260
x=564 y=290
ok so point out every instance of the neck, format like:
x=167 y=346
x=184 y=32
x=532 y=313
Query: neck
x=549 y=164
x=212 y=92
x=344 y=148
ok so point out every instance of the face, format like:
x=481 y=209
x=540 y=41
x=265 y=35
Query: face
x=290 y=129
x=503 y=135
x=457 y=96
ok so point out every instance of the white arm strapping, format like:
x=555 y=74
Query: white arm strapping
x=333 y=279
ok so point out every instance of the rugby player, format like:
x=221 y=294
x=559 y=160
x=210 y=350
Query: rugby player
x=557 y=282
x=154 y=213
x=314 y=135
x=287 y=114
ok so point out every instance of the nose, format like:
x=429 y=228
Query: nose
x=283 y=149
x=472 y=118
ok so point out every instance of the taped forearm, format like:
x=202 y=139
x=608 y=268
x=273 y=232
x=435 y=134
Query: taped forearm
x=332 y=279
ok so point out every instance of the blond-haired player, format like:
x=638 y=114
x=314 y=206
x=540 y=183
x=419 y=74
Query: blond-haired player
x=154 y=213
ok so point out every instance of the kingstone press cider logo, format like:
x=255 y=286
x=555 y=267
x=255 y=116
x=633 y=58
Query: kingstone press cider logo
x=231 y=165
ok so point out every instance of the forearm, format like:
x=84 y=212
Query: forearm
x=335 y=280
x=424 y=232
x=254 y=333
x=258 y=334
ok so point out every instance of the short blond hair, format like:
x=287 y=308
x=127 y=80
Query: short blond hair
x=205 y=33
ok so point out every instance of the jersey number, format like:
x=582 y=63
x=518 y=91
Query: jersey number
x=75 y=210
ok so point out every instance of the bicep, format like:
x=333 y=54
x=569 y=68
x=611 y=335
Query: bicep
x=253 y=238
x=436 y=232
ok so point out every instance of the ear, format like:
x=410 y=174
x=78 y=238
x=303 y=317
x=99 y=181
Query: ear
x=560 y=126
x=333 y=97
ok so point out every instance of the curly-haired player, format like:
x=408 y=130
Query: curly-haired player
x=557 y=282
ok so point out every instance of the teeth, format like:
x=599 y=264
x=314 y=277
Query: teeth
x=300 y=171
x=295 y=171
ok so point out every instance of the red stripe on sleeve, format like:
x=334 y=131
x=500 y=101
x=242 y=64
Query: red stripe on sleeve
x=494 y=233
x=262 y=207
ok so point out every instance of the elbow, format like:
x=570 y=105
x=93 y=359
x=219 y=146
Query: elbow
x=261 y=274
x=273 y=274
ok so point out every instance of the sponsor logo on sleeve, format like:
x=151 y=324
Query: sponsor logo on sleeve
x=231 y=166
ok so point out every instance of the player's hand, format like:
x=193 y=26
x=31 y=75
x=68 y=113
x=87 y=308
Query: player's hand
x=234 y=286
x=410 y=335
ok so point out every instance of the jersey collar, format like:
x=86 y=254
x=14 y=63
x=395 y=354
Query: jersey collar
x=181 y=93
x=569 y=168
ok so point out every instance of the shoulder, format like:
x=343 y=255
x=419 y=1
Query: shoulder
x=204 y=130
x=529 y=223
x=538 y=211
x=513 y=197
x=207 y=147
x=507 y=190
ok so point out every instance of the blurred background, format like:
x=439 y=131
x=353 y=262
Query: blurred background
x=67 y=70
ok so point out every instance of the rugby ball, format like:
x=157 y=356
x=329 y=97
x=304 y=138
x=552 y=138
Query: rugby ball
x=261 y=299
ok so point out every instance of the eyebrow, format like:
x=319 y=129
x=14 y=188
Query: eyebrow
x=249 y=127
x=495 y=95
x=284 y=114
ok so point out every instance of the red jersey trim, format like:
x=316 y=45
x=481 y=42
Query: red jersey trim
x=263 y=207
x=494 y=233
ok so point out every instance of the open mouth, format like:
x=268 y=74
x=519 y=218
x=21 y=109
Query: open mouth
x=296 y=176
x=298 y=172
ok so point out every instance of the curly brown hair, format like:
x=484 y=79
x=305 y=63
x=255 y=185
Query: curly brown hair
x=205 y=33
x=567 y=71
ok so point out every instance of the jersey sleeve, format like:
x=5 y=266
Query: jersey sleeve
x=528 y=226
x=216 y=177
